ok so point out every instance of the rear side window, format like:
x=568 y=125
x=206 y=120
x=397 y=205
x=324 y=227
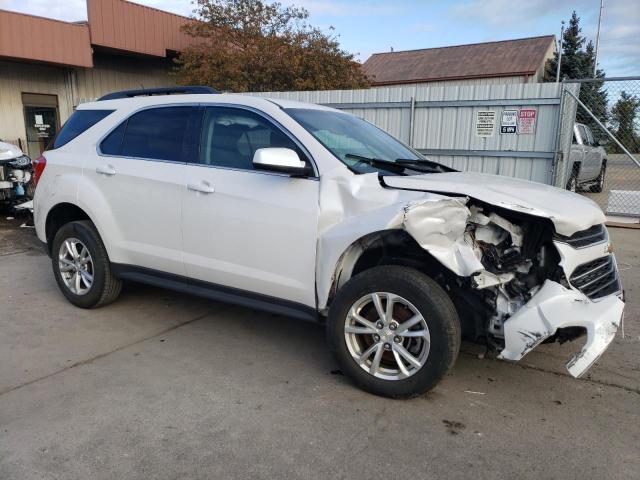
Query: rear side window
x=79 y=122
x=167 y=133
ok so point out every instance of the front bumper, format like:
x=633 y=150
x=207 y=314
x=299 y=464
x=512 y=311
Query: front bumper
x=554 y=307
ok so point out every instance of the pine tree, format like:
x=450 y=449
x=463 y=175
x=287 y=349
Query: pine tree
x=577 y=62
x=623 y=121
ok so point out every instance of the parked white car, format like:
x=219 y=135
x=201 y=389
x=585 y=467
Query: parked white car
x=307 y=211
x=588 y=161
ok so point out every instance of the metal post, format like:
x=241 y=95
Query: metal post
x=412 y=120
x=601 y=125
x=560 y=53
x=595 y=60
x=558 y=157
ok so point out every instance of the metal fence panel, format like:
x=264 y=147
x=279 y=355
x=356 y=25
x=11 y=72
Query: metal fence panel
x=440 y=122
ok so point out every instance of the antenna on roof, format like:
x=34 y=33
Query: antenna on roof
x=392 y=49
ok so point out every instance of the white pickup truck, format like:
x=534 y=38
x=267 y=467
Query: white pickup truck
x=588 y=161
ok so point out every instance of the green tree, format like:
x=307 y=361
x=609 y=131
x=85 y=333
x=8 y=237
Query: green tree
x=578 y=60
x=252 y=45
x=623 y=122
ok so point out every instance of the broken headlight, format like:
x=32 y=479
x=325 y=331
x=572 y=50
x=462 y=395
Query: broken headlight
x=21 y=162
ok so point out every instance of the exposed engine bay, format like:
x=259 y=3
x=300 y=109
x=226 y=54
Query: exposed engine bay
x=517 y=259
x=16 y=174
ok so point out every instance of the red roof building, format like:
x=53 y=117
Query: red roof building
x=508 y=61
x=48 y=67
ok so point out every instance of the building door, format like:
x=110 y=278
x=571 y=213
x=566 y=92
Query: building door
x=41 y=121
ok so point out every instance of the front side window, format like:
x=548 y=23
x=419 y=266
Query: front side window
x=79 y=122
x=583 y=135
x=351 y=139
x=167 y=133
x=230 y=137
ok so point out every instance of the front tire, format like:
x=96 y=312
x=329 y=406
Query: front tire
x=394 y=331
x=599 y=186
x=81 y=266
x=572 y=183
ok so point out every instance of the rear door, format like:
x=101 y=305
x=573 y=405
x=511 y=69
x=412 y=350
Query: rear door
x=139 y=174
x=243 y=228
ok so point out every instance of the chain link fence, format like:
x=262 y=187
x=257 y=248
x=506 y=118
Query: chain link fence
x=605 y=150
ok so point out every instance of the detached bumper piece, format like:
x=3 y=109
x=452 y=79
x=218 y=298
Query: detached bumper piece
x=554 y=307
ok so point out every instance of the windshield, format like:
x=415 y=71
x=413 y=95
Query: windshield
x=361 y=146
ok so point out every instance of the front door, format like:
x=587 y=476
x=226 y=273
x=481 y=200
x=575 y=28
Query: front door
x=592 y=155
x=244 y=228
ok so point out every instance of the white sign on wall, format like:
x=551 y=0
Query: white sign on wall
x=509 y=121
x=485 y=123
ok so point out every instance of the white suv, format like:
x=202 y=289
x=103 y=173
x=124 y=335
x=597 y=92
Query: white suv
x=306 y=211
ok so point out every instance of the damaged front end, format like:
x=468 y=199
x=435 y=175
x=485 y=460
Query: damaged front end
x=518 y=275
x=532 y=286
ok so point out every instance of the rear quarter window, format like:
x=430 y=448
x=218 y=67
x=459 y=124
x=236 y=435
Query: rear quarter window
x=165 y=133
x=79 y=122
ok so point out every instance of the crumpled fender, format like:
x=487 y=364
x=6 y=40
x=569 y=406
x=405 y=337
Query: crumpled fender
x=357 y=207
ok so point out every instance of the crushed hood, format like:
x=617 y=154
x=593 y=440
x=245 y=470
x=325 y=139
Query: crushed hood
x=568 y=211
x=9 y=151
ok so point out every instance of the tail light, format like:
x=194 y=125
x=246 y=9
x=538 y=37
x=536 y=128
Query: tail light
x=38 y=168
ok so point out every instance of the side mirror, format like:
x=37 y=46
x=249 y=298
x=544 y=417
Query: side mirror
x=282 y=160
x=602 y=142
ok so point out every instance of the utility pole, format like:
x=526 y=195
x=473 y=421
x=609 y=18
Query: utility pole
x=560 y=53
x=595 y=59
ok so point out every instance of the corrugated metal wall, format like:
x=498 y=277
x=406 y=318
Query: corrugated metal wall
x=442 y=124
x=73 y=85
x=116 y=72
x=19 y=78
x=469 y=81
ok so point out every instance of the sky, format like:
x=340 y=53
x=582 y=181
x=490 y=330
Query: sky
x=369 y=26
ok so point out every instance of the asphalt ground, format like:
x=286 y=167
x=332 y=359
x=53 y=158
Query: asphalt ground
x=162 y=385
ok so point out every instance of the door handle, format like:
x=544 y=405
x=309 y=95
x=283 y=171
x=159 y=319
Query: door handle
x=106 y=170
x=203 y=187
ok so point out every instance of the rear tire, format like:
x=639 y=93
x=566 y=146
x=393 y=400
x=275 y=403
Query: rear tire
x=413 y=295
x=81 y=266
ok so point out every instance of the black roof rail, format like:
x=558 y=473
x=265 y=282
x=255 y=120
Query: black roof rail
x=144 y=92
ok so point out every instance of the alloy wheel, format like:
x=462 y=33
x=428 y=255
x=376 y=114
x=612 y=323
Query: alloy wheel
x=76 y=266
x=387 y=336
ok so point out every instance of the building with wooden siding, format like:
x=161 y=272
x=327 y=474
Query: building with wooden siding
x=48 y=67
x=503 y=62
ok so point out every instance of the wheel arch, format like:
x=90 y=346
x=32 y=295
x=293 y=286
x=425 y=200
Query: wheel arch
x=382 y=247
x=59 y=215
